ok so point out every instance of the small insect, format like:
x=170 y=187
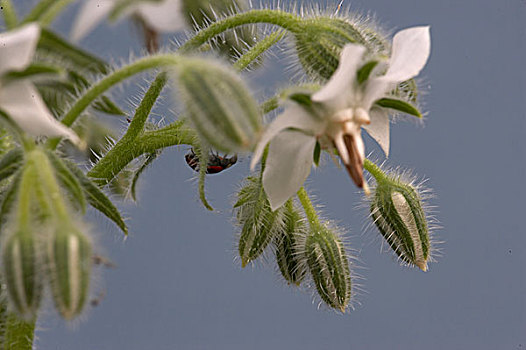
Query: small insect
x=102 y=261
x=216 y=163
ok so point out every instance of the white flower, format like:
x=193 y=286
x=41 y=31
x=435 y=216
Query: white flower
x=161 y=16
x=19 y=98
x=339 y=111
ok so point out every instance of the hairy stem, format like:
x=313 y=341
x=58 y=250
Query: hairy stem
x=374 y=170
x=105 y=84
x=309 y=209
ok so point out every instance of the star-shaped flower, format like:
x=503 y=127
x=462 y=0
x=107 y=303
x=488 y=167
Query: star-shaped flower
x=19 y=98
x=336 y=115
x=160 y=16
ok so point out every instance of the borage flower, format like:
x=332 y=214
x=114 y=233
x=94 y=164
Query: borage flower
x=158 y=16
x=18 y=97
x=335 y=114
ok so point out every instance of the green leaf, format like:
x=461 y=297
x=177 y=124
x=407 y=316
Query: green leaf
x=97 y=198
x=80 y=59
x=364 y=72
x=11 y=162
x=68 y=180
x=400 y=106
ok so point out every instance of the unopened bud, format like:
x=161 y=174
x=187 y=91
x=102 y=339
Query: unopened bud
x=259 y=224
x=22 y=276
x=329 y=267
x=397 y=211
x=69 y=263
x=322 y=39
x=219 y=105
x=290 y=259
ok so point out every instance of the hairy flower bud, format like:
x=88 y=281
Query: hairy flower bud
x=397 y=211
x=22 y=278
x=320 y=44
x=291 y=261
x=259 y=224
x=329 y=266
x=219 y=105
x=69 y=266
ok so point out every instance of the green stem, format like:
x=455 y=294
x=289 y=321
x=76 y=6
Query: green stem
x=10 y=17
x=105 y=84
x=309 y=209
x=45 y=11
x=148 y=142
x=282 y=19
x=18 y=334
x=374 y=170
x=258 y=49
x=23 y=210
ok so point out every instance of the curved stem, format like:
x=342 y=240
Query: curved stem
x=374 y=170
x=282 y=19
x=309 y=209
x=258 y=49
x=116 y=77
x=10 y=17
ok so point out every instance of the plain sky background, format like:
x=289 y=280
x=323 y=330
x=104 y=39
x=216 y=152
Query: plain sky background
x=178 y=285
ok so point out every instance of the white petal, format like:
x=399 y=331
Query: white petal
x=17 y=47
x=379 y=128
x=22 y=102
x=90 y=15
x=165 y=16
x=341 y=84
x=411 y=48
x=288 y=166
x=294 y=116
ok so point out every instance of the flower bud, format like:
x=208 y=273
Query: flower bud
x=259 y=224
x=291 y=261
x=219 y=105
x=329 y=267
x=69 y=265
x=322 y=39
x=22 y=277
x=397 y=211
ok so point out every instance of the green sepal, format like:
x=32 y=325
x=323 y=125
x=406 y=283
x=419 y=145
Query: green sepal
x=68 y=181
x=399 y=105
x=96 y=198
x=34 y=70
x=78 y=58
x=149 y=160
x=11 y=162
x=317 y=154
x=364 y=72
x=302 y=99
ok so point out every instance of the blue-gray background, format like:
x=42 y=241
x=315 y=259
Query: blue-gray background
x=177 y=285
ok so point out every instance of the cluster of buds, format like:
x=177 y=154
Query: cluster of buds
x=43 y=243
